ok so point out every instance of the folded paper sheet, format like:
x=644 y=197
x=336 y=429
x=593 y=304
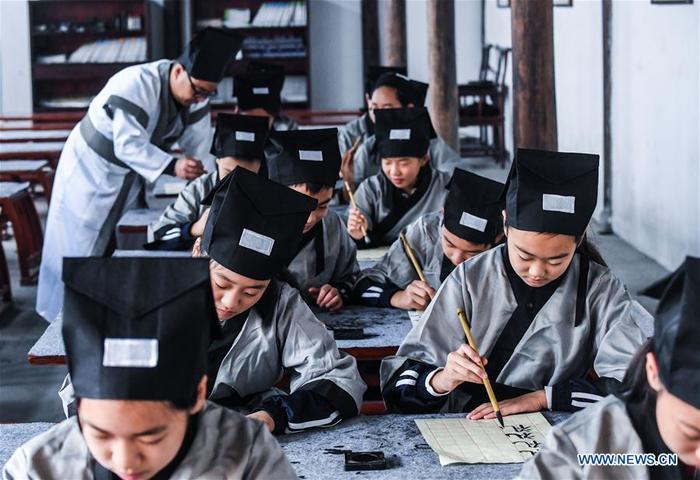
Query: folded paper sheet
x=458 y=440
x=371 y=253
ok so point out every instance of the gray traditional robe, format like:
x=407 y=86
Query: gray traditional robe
x=551 y=352
x=373 y=200
x=425 y=239
x=368 y=163
x=226 y=446
x=186 y=209
x=340 y=267
x=601 y=428
x=351 y=131
x=288 y=337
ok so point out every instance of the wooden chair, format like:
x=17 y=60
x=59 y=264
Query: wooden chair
x=17 y=207
x=482 y=104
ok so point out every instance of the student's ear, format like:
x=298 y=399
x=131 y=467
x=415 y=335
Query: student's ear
x=410 y=105
x=368 y=99
x=237 y=110
x=201 y=396
x=442 y=211
x=424 y=161
x=652 y=369
x=178 y=69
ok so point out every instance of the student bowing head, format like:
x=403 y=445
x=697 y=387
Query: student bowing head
x=308 y=162
x=253 y=230
x=472 y=216
x=403 y=137
x=239 y=141
x=394 y=90
x=258 y=91
x=550 y=200
x=196 y=74
x=663 y=381
x=138 y=362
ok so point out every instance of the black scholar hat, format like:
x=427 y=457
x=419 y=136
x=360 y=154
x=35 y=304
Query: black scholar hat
x=137 y=328
x=254 y=225
x=473 y=207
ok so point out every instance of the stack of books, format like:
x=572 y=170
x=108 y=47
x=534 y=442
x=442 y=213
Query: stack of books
x=274 y=47
x=119 y=50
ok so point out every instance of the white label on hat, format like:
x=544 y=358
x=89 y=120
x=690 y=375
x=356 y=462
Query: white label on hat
x=400 y=134
x=401 y=75
x=472 y=221
x=261 y=91
x=245 y=136
x=311 y=155
x=130 y=352
x=256 y=241
x=558 y=203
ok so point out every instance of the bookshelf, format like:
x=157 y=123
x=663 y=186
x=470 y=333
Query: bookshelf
x=76 y=45
x=274 y=31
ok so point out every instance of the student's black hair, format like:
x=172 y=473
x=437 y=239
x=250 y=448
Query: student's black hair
x=635 y=386
x=589 y=249
x=313 y=187
x=402 y=95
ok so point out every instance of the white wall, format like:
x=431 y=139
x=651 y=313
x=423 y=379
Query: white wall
x=15 y=61
x=655 y=104
x=656 y=155
x=336 y=54
x=467 y=38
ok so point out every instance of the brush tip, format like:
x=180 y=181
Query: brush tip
x=500 y=419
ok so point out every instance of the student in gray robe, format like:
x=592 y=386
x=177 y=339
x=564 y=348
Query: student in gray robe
x=470 y=223
x=658 y=412
x=363 y=126
x=325 y=266
x=258 y=92
x=124 y=141
x=407 y=186
x=395 y=91
x=252 y=232
x=555 y=328
x=139 y=366
x=239 y=141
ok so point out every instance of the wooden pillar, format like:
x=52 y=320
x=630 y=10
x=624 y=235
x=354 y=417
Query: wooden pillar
x=443 y=70
x=396 y=33
x=535 y=109
x=606 y=220
x=370 y=34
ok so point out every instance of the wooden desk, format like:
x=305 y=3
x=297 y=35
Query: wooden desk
x=50 y=151
x=24 y=136
x=384 y=329
x=132 y=228
x=318 y=453
x=32 y=171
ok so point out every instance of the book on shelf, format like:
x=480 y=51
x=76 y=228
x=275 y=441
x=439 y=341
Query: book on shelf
x=119 y=50
x=281 y=14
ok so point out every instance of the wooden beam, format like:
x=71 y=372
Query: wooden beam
x=535 y=110
x=396 y=32
x=370 y=34
x=443 y=70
